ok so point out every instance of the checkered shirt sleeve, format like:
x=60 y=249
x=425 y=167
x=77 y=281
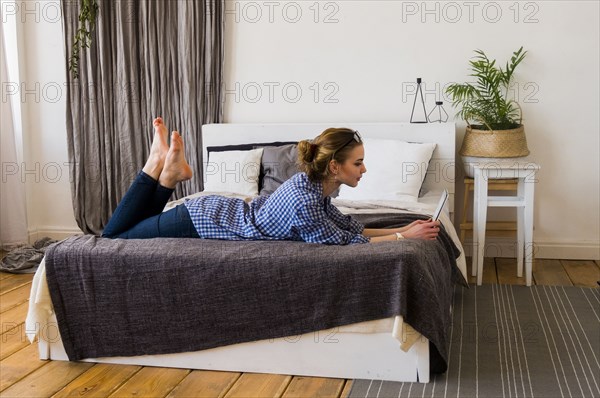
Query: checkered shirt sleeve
x=328 y=226
x=342 y=220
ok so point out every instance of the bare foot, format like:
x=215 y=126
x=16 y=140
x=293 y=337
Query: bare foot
x=176 y=168
x=158 y=150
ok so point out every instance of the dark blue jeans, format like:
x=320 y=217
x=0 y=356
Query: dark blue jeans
x=140 y=214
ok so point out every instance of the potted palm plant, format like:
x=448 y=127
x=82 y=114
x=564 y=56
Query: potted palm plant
x=494 y=121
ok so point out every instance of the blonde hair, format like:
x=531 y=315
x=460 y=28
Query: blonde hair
x=332 y=144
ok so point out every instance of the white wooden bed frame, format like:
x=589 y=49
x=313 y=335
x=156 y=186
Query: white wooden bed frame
x=331 y=353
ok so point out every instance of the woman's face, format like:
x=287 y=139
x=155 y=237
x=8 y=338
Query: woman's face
x=351 y=170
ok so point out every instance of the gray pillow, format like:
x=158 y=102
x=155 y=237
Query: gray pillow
x=278 y=164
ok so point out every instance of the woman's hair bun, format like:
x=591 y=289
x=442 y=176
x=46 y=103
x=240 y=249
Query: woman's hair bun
x=313 y=148
x=307 y=151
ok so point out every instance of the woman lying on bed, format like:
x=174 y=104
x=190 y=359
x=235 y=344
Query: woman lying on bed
x=300 y=209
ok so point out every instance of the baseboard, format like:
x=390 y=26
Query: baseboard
x=543 y=248
x=494 y=247
x=57 y=233
x=568 y=250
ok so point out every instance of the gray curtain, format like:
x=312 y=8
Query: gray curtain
x=148 y=58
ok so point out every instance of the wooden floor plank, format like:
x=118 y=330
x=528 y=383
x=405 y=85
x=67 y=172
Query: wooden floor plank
x=13 y=317
x=507 y=271
x=15 y=297
x=254 y=385
x=205 y=384
x=47 y=380
x=301 y=387
x=550 y=272
x=99 y=381
x=12 y=341
x=583 y=273
x=4 y=275
x=19 y=365
x=151 y=383
x=14 y=281
x=346 y=390
x=489 y=271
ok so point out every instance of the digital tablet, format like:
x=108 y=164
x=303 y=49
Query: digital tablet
x=440 y=205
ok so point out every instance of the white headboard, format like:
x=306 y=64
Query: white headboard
x=440 y=174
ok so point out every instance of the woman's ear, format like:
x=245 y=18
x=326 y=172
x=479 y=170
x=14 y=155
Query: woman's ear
x=333 y=167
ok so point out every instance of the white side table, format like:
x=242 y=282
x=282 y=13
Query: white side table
x=525 y=171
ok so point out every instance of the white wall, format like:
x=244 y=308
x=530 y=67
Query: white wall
x=357 y=61
x=41 y=91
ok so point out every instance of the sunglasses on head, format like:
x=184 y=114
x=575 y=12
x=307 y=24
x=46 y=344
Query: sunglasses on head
x=355 y=137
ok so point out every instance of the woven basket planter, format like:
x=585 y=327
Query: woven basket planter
x=495 y=143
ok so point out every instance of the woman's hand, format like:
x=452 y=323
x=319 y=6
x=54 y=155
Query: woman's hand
x=412 y=224
x=419 y=229
x=422 y=229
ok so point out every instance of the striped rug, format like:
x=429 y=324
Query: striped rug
x=514 y=341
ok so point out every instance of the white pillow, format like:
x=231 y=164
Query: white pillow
x=233 y=171
x=395 y=171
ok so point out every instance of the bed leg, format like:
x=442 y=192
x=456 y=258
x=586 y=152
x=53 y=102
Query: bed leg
x=48 y=336
x=422 y=352
x=44 y=348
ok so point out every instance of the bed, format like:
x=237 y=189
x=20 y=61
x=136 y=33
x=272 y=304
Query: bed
x=341 y=329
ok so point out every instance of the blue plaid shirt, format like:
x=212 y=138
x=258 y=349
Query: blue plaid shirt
x=295 y=211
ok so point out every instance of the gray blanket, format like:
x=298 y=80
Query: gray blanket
x=155 y=296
